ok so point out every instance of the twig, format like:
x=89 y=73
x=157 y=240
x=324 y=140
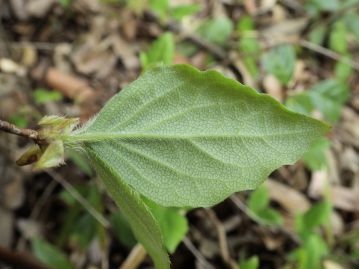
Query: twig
x=68 y=187
x=136 y=257
x=328 y=53
x=253 y=216
x=197 y=254
x=12 y=129
x=222 y=238
x=19 y=260
x=213 y=49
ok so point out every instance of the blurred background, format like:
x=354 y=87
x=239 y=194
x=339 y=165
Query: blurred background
x=68 y=57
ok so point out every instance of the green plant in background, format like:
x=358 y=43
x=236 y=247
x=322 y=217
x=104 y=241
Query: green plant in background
x=180 y=137
x=162 y=51
x=248 y=44
x=216 y=30
x=50 y=254
x=42 y=96
x=258 y=204
x=313 y=248
x=280 y=61
x=251 y=263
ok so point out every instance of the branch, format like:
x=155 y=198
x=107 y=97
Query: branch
x=12 y=129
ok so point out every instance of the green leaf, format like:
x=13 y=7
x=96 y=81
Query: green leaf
x=251 y=263
x=315 y=158
x=143 y=224
x=343 y=70
x=161 y=52
x=269 y=216
x=248 y=45
x=50 y=255
x=329 y=96
x=217 y=30
x=160 y=7
x=280 y=62
x=43 y=96
x=300 y=103
x=338 y=38
x=259 y=199
x=317 y=35
x=259 y=205
x=181 y=11
x=317 y=215
x=182 y=137
x=122 y=230
x=310 y=255
x=173 y=225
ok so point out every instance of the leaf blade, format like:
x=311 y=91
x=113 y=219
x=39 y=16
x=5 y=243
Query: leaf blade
x=145 y=227
x=182 y=137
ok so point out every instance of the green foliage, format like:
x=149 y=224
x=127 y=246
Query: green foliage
x=122 y=230
x=19 y=120
x=317 y=215
x=280 y=61
x=248 y=45
x=181 y=11
x=144 y=226
x=173 y=224
x=50 y=255
x=80 y=228
x=178 y=140
x=315 y=158
x=314 y=7
x=42 y=96
x=161 y=52
x=251 y=263
x=160 y=7
x=338 y=38
x=329 y=97
x=300 y=103
x=65 y=3
x=80 y=160
x=310 y=254
x=217 y=30
x=258 y=203
x=160 y=147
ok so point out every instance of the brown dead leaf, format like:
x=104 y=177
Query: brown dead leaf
x=292 y=200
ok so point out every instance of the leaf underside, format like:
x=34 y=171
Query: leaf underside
x=143 y=224
x=182 y=137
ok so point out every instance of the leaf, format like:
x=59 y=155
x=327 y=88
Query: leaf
x=50 y=255
x=251 y=263
x=280 y=62
x=317 y=215
x=173 y=225
x=122 y=230
x=43 y=96
x=160 y=7
x=143 y=224
x=329 y=96
x=181 y=11
x=182 y=137
x=259 y=205
x=338 y=38
x=258 y=199
x=269 y=216
x=217 y=30
x=300 y=103
x=315 y=158
x=161 y=52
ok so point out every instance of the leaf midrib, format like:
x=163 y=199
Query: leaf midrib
x=103 y=136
